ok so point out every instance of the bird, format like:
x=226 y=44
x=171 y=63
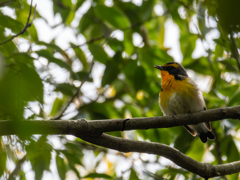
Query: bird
x=180 y=95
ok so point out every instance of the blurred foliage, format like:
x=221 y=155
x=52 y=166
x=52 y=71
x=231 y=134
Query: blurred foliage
x=123 y=83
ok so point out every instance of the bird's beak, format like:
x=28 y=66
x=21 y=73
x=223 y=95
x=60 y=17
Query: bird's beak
x=159 y=67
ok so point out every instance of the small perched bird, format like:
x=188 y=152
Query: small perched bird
x=180 y=95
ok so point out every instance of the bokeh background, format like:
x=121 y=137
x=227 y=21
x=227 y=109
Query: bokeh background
x=41 y=70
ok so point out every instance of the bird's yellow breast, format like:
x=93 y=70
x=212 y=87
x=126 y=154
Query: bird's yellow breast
x=170 y=86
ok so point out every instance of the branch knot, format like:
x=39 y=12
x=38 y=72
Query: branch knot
x=80 y=126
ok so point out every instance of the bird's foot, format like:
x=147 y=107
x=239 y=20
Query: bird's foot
x=125 y=120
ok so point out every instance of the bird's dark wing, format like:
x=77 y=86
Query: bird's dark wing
x=208 y=125
x=190 y=130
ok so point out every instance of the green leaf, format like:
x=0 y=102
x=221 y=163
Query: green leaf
x=32 y=82
x=135 y=110
x=98 y=30
x=229 y=65
x=196 y=151
x=81 y=75
x=218 y=51
x=115 y=44
x=21 y=84
x=133 y=175
x=22 y=58
x=112 y=16
x=74 y=148
x=79 y=4
x=228 y=89
x=5 y=2
x=223 y=42
x=146 y=9
x=81 y=57
x=98 y=175
x=188 y=43
x=85 y=23
x=98 y=111
x=173 y=172
x=12 y=101
x=200 y=65
x=227 y=13
x=3 y=160
x=33 y=32
x=128 y=42
x=111 y=72
x=61 y=167
x=8 y=22
x=234 y=99
x=22 y=175
x=153 y=56
x=139 y=78
x=230 y=149
x=57 y=105
x=165 y=136
x=73 y=159
x=39 y=154
x=51 y=58
x=63 y=7
x=50 y=46
x=70 y=17
x=186 y=138
x=98 y=53
x=66 y=89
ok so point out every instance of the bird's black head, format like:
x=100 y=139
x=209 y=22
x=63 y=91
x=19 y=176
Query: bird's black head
x=175 y=69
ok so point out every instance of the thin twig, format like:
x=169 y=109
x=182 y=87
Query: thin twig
x=90 y=41
x=109 y=32
x=28 y=24
x=17 y=169
x=75 y=95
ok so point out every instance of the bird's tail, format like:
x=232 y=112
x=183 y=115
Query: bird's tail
x=204 y=136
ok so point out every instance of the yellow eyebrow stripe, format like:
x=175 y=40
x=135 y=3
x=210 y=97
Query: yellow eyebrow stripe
x=174 y=65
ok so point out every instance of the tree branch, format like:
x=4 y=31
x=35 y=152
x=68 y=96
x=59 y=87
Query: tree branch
x=99 y=126
x=28 y=24
x=205 y=170
x=92 y=131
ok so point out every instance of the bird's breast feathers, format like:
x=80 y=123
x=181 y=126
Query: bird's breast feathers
x=180 y=97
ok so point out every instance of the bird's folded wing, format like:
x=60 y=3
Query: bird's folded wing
x=208 y=125
x=190 y=130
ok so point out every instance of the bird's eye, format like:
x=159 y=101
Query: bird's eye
x=170 y=67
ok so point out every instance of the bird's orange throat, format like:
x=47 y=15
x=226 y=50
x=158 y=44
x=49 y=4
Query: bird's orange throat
x=167 y=79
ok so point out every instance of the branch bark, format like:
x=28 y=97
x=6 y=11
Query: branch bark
x=204 y=170
x=92 y=131
x=99 y=126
